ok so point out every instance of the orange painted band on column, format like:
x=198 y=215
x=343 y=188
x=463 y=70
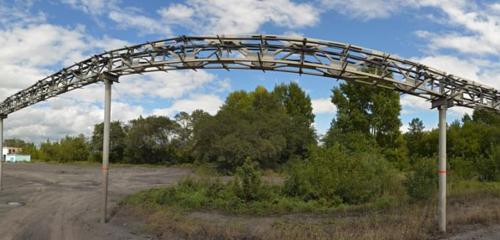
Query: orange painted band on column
x=104 y=168
x=442 y=171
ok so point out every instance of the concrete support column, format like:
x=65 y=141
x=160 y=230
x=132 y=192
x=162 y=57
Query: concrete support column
x=1 y=153
x=105 y=147
x=442 y=168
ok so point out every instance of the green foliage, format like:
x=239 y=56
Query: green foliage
x=247 y=184
x=421 y=182
x=372 y=112
x=462 y=168
x=489 y=167
x=151 y=140
x=17 y=143
x=337 y=175
x=300 y=133
x=471 y=145
x=117 y=142
x=67 y=149
x=414 y=136
x=209 y=194
x=256 y=125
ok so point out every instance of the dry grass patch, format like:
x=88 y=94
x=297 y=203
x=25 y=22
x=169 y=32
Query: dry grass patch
x=470 y=205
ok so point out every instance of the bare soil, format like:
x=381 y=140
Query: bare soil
x=55 y=201
x=64 y=201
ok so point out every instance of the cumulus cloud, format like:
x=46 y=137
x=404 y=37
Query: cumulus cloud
x=323 y=105
x=169 y=85
x=412 y=105
x=474 y=27
x=39 y=45
x=91 y=6
x=236 y=17
x=18 y=14
x=479 y=26
x=125 y=17
x=366 y=9
x=205 y=17
x=35 y=51
x=63 y=116
x=29 y=52
x=475 y=69
x=453 y=65
x=133 y=19
x=205 y=102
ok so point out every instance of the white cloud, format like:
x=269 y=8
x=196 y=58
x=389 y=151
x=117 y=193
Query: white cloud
x=133 y=19
x=237 y=17
x=173 y=84
x=469 y=69
x=30 y=51
x=491 y=76
x=40 y=45
x=107 y=43
x=366 y=9
x=125 y=17
x=323 y=105
x=475 y=69
x=18 y=14
x=63 y=116
x=207 y=103
x=91 y=6
x=205 y=16
x=469 y=44
x=293 y=34
x=474 y=27
x=404 y=127
x=177 y=12
x=411 y=104
x=479 y=26
x=34 y=51
x=452 y=65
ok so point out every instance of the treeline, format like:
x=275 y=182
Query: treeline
x=359 y=158
x=269 y=127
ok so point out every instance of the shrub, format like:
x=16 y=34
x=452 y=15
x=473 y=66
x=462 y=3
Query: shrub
x=247 y=184
x=462 y=168
x=340 y=176
x=489 y=167
x=421 y=183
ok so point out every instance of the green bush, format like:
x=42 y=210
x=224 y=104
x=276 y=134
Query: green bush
x=421 y=183
x=489 y=167
x=339 y=176
x=247 y=184
x=209 y=194
x=462 y=168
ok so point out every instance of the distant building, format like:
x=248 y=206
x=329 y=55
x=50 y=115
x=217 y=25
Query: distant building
x=13 y=154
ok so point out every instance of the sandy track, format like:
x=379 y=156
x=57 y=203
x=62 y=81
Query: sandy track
x=63 y=201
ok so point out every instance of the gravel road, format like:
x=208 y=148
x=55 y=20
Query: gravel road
x=63 y=201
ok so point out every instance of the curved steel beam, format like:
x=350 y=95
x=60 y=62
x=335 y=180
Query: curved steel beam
x=265 y=53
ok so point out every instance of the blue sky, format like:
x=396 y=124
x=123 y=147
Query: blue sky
x=39 y=37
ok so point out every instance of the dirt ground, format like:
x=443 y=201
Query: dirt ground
x=64 y=202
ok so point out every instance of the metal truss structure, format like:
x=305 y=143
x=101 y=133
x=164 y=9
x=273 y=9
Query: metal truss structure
x=266 y=53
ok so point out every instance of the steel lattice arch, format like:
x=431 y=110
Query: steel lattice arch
x=265 y=53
